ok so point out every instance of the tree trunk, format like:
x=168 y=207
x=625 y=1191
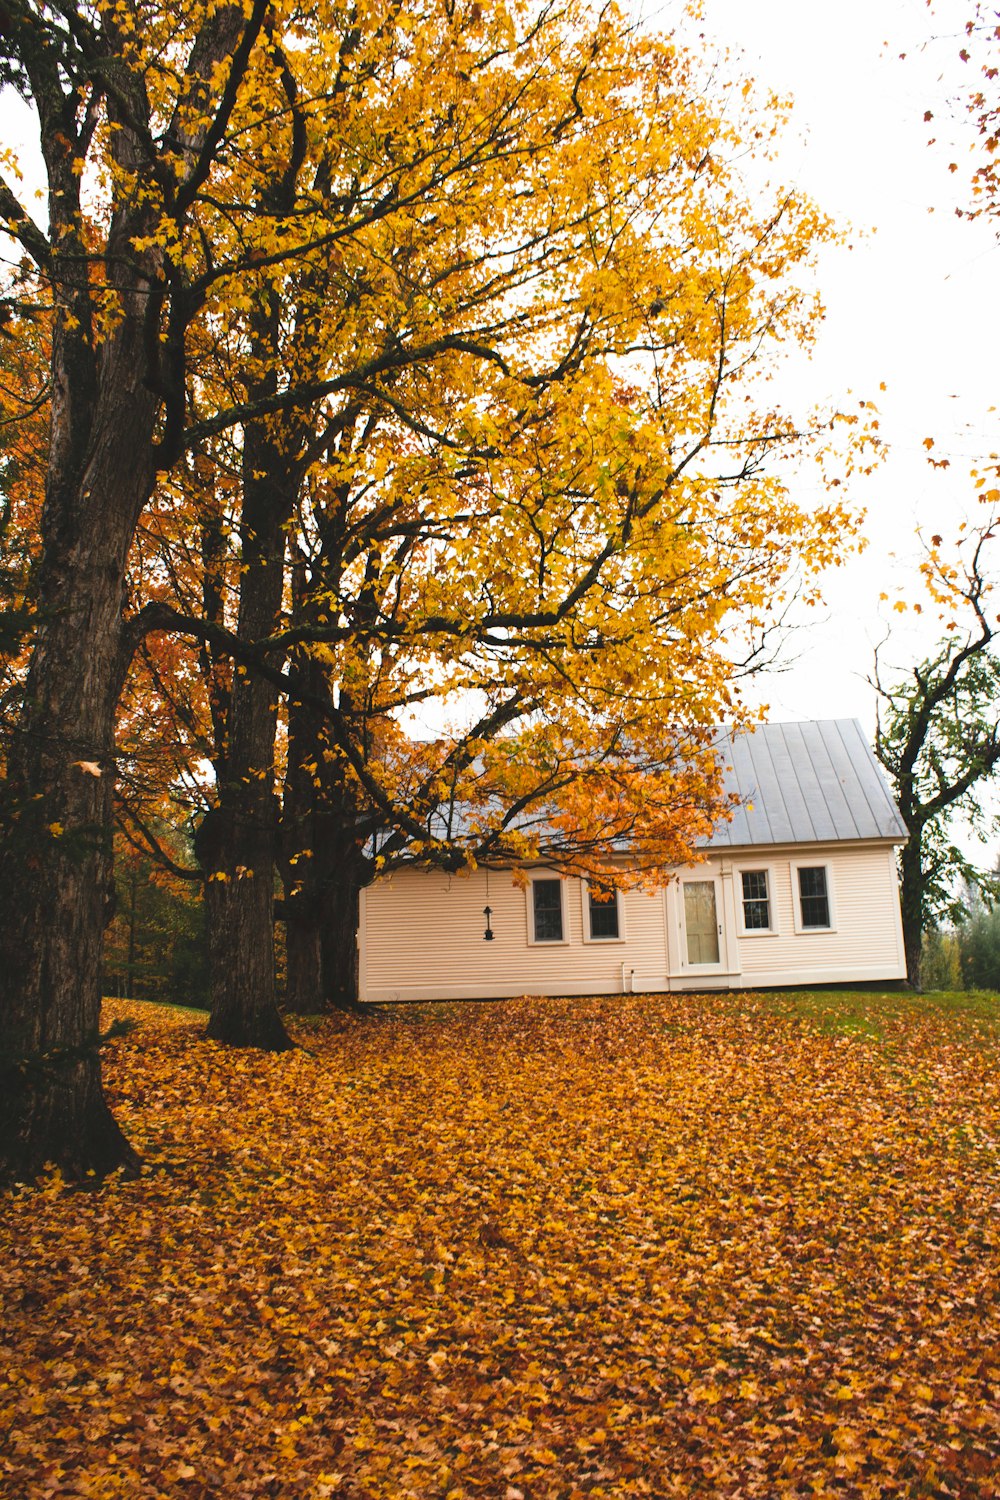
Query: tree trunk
x=323 y=864
x=110 y=372
x=56 y=861
x=341 y=910
x=300 y=843
x=321 y=932
x=303 y=957
x=911 y=900
x=240 y=844
x=239 y=912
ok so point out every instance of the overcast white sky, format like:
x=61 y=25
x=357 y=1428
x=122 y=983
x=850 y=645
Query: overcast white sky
x=909 y=305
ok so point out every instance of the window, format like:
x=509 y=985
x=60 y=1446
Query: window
x=546 y=904
x=814 y=897
x=756 y=893
x=602 y=919
x=756 y=897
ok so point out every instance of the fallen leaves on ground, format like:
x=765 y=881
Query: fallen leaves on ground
x=620 y=1247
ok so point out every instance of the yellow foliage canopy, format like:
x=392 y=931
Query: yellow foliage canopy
x=530 y=303
x=490 y=276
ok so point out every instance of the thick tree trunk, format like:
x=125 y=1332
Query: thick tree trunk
x=321 y=931
x=56 y=862
x=239 y=845
x=321 y=936
x=301 y=846
x=323 y=866
x=341 y=903
x=303 y=958
x=911 y=900
x=110 y=372
x=239 y=910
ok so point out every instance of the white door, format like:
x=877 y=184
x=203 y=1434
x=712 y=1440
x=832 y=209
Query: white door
x=703 y=944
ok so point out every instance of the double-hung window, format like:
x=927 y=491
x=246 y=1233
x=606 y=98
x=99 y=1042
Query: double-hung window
x=756 y=908
x=815 y=898
x=547 y=911
x=602 y=918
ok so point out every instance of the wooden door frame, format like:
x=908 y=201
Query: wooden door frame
x=678 y=966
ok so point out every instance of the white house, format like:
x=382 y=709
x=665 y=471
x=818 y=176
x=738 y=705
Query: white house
x=799 y=889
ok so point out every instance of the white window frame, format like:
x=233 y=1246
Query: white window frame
x=813 y=864
x=773 y=930
x=530 y=903
x=588 y=936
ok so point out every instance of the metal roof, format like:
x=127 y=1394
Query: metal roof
x=805 y=784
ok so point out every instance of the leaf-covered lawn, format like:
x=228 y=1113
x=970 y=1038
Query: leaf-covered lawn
x=645 y=1246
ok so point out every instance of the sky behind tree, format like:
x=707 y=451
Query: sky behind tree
x=909 y=304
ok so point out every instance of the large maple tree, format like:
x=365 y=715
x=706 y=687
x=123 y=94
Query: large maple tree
x=515 y=241
x=554 y=514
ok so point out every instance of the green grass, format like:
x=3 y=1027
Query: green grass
x=874 y=1013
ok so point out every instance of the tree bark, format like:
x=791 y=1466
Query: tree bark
x=56 y=865
x=239 y=914
x=241 y=848
x=341 y=912
x=109 y=387
x=911 y=901
x=301 y=843
x=323 y=864
x=321 y=929
x=303 y=957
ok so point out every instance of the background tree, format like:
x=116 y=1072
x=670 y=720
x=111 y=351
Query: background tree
x=978 y=942
x=941 y=960
x=938 y=736
x=155 y=947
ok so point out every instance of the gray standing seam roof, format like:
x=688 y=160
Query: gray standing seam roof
x=805 y=783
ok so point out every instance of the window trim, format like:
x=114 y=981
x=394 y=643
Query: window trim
x=774 y=928
x=588 y=936
x=795 y=866
x=530 y=903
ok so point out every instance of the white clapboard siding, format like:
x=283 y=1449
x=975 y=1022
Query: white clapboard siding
x=421 y=935
x=422 y=938
x=867 y=941
x=809 y=793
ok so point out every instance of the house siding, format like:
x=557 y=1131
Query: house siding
x=422 y=938
x=867 y=942
x=421 y=934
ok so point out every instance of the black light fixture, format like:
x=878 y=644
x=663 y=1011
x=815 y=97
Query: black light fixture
x=488 y=934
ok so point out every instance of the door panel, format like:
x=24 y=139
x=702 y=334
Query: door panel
x=701 y=922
